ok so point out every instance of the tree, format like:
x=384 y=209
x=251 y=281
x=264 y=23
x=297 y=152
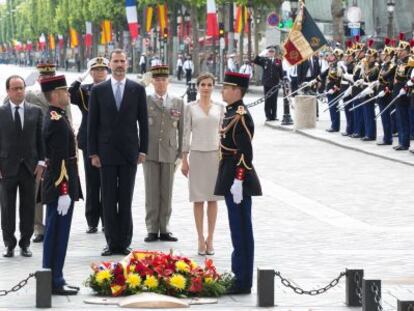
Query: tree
x=337 y=12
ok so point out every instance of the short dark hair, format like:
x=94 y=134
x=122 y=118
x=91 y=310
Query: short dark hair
x=205 y=75
x=14 y=77
x=48 y=95
x=117 y=51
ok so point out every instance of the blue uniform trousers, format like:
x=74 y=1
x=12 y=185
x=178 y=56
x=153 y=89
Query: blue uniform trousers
x=359 y=128
x=240 y=221
x=370 y=123
x=403 y=121
x=55 y=242
x=349 y=119
x=334 y=113
x=386 y=118
x=411 y=122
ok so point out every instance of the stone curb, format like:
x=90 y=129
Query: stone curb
x=333 y=142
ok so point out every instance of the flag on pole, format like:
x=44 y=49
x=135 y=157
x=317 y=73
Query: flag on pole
x=304 y=40
x=162 y=17
x=212 y=24
x=42 y=42
x=60 y=39
x=239 y=18
x=29 y=45
x=148 y=18
x=73 y=38
x=52 y=43
x=132 y=18
x=106 y=32
x=88 y=35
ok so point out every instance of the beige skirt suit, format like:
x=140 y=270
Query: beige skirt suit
x=201 y=139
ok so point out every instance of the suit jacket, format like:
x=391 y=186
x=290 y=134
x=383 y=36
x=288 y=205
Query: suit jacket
x=166 y=124
x=304 y=67
x=113 y=134
x=26 y=147
x=272 y=70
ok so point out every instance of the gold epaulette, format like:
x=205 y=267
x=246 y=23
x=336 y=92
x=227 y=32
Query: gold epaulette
x=63 y=174
x=55 y=116
x=241 y=111
x=411 y=62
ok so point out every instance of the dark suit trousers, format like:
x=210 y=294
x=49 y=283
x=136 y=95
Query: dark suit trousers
x=93 y=205
x=270 y=104
x=117 y=191
x=25 y=182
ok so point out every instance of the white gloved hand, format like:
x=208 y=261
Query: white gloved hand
x=32 y=78
x=348 y=92
x=263 y=53
x=331 y=91
x=402 y=92
x=84 y=75
x=63 y=204
x=367 y=92
x=410 y=83
x=381 y=94
x=237 y=191
x=348 y=77
x=359 y=82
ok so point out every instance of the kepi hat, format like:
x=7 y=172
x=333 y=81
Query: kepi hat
x=53 y=83
x=236 y=79
x=46 y=69
x=160 y=71
x=98 y=62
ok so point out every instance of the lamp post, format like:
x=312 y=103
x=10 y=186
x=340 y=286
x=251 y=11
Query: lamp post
x=187 y=19
x=390 y=10
x=249 y=38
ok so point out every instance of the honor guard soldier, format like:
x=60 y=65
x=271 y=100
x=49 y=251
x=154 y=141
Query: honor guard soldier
x=386 y=80
x=79 y=95
x=402 y=103
x=61 y=186
x=237 y=180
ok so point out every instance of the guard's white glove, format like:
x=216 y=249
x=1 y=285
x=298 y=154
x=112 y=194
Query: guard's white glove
x=367 y=92
x=32 y=78
x=84 y=75
x=237 y=191
x=347 y=92
x=359 y=82
x=331 y=91
x=410 y=83
x=402 y=92
x=348 y=76
x=381 y=94
x=263 y=53
x=63 y=204
x=147 y=78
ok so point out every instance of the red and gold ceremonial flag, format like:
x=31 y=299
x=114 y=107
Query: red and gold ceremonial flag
x=162 y=17
x=52 y=42
x=148 y=18
x=106 y=35
x=240 y=12
x=304 y=40
x=73 y=38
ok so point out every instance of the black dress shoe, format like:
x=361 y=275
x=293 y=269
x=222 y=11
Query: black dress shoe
x=399 y=148
x=73 y=287
x=92 y=230
x=151 y=237
x=25 y=252
x=125 y=251
x=64 y=291
x=107 y=252
x=9 y=252
x=330 y=130
x=355 y=136
x=367 y=138
x=383 y=143
x=38 y=238
x=345 y=134
x=238 y=291
x=168 y=237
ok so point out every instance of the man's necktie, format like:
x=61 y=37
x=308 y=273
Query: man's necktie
x=118 y=95
x=17 y=120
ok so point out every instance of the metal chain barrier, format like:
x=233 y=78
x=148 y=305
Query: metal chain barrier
x=313 y=292
x=358 y=287
x=410 y=307
x=377 y=296
x=17 y=287
x=269 y=93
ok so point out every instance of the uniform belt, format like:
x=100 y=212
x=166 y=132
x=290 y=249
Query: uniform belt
x=227 y=154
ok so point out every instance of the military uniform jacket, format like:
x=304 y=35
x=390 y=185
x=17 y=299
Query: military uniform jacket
x=272 y=70
x=165 y=128
x=334 y=74
x=386 y=76
x=61 y=158
x=401 y=76
x=236 y=151
x=79 y=96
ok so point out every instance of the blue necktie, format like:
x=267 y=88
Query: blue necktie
x=118 y=95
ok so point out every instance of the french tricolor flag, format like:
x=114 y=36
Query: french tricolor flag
x=131 y=13
x=212 y=24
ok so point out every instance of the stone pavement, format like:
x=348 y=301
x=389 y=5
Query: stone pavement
x=324 y=209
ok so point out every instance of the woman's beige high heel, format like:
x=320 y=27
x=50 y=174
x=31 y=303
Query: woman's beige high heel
x=209 y=251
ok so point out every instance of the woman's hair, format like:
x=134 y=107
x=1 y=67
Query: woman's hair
x=205 y=75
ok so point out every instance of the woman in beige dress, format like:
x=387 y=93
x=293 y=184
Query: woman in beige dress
x=202 y=120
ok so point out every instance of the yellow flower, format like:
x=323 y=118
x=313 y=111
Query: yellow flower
x=103 y=275
x=133 y=280
x=178 y=281
x=182 y=266
x=208 y=280
x=151 y=281
x=132 y=268
x=194 y=265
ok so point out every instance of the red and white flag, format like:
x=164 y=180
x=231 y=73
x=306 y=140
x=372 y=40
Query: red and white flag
x=132 y=18
x=212 y=24
x=88 y=35
x=42 y=41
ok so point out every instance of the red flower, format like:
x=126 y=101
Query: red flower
x=196 y=285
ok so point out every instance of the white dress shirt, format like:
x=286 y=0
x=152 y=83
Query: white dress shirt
x=21 y=111
x=114 y=84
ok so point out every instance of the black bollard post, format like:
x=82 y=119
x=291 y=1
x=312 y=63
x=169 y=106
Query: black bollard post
x=265 y=287
x=405 y=305
x=44 y=288
x=353 y=292
x=191 y=92
x=370 y=299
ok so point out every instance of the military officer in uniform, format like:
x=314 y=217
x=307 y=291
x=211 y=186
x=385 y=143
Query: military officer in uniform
x=79 y=95
x=36 y=97
x=61 y=186
x=237 y=180
x=272 y=74
x=165 y=123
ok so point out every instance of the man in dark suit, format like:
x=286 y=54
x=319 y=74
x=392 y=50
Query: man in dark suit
x=21 y=164
x=308 y=70
x=79 y=95
x=114 y=145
